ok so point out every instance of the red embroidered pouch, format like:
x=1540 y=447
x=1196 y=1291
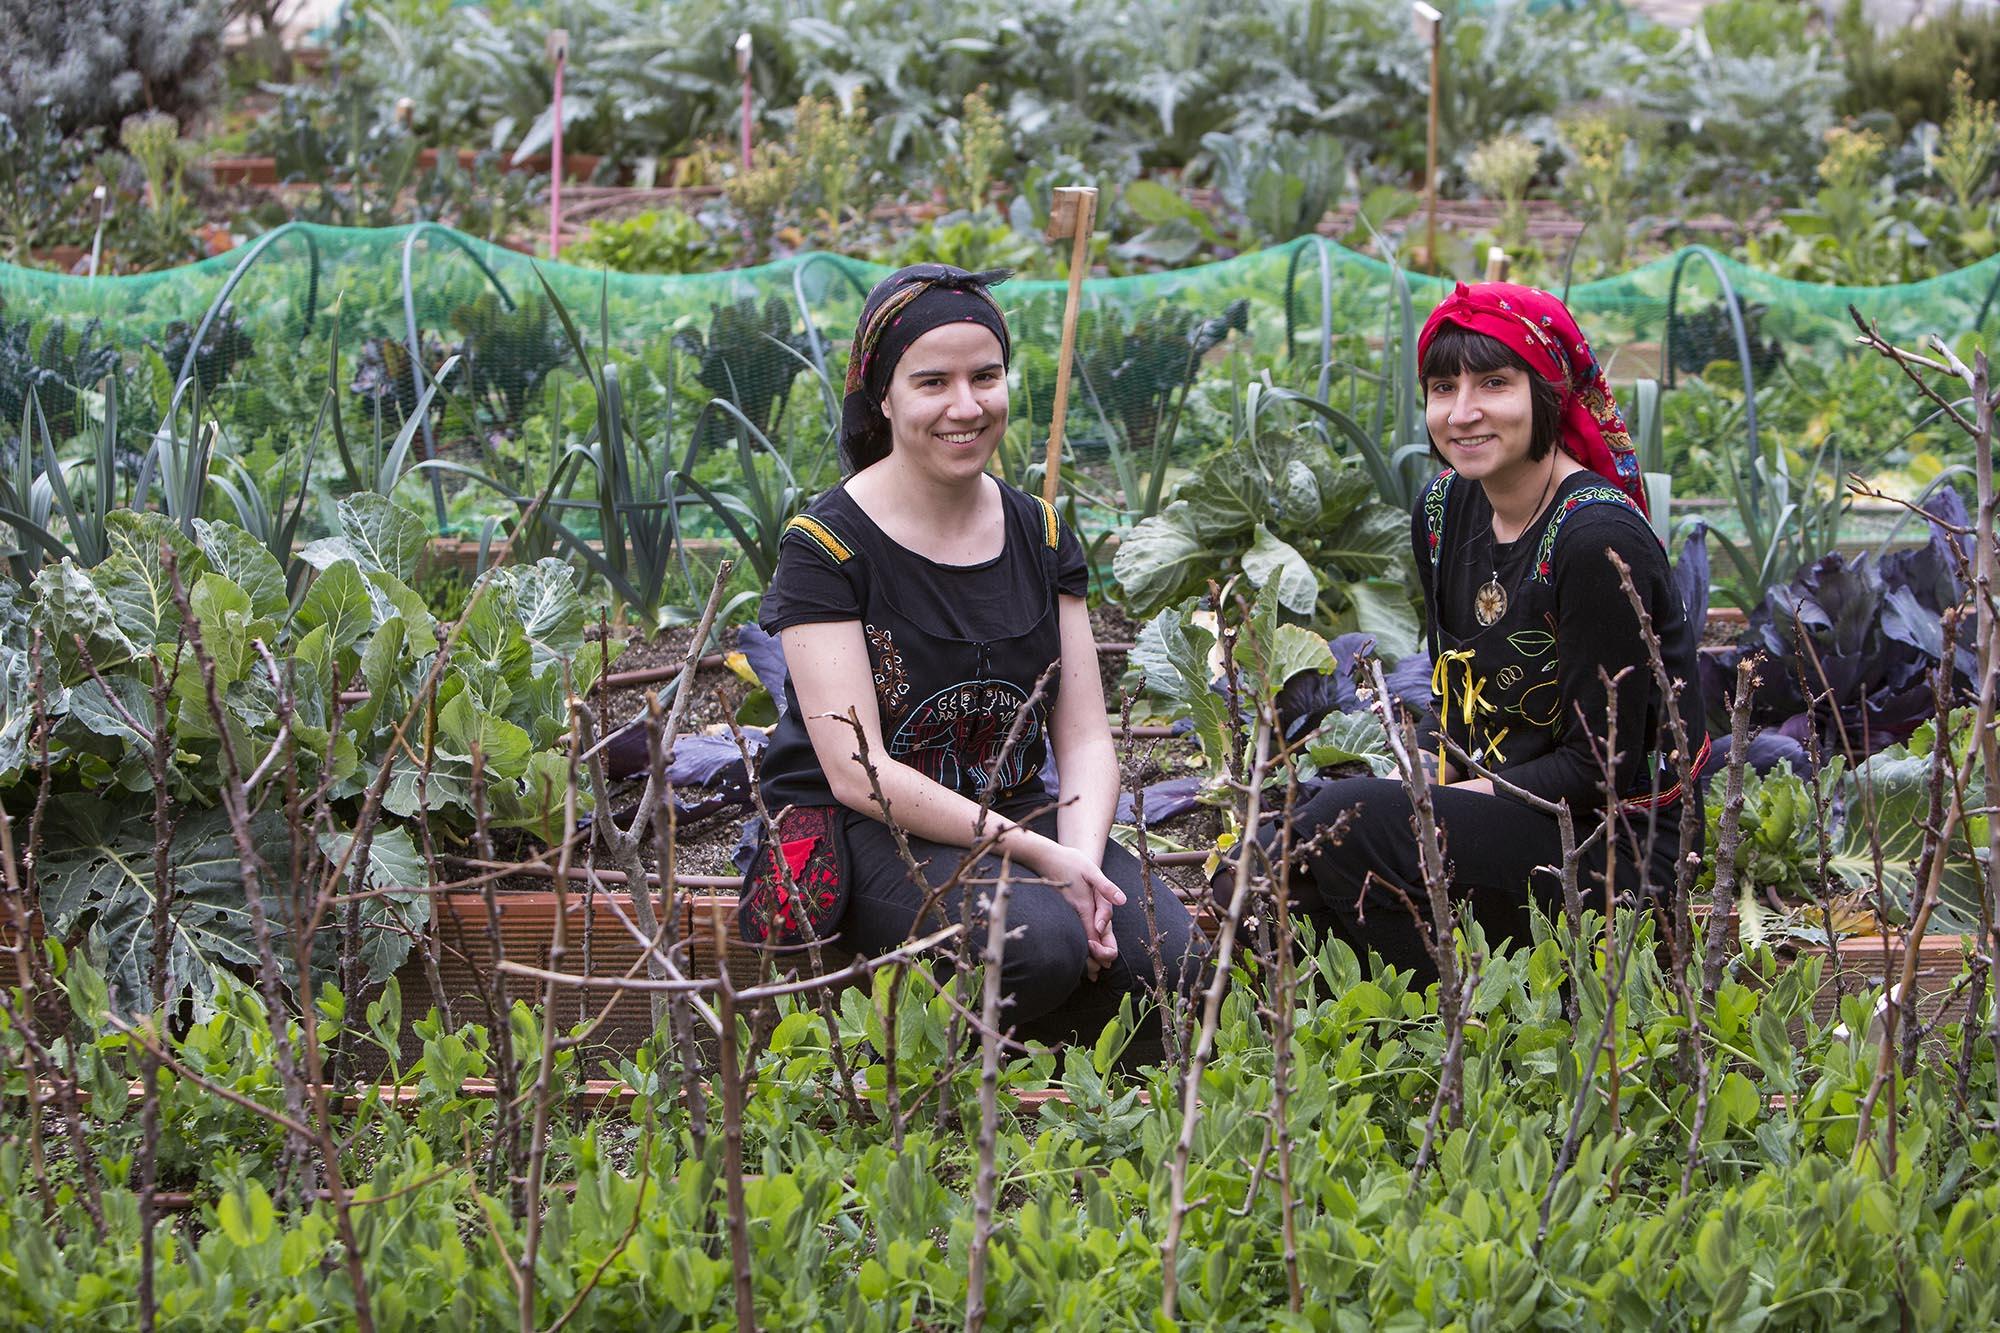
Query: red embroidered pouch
x=797 y=886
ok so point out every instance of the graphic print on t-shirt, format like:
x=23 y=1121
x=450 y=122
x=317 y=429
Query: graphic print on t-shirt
x=892 y=681
x=955 y=737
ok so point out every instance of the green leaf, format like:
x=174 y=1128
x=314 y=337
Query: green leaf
x=68 y=607
x=243 y=559
x=394 y=863
x=141 y=599
x=227 y=625
x=138 y=533
x=1374 y=543
x=1294 y=649
x=101 y=880
x=468 y=720
x=1185 y=646
x=17 y=696
x=1736 y=1099
x=390 y=598
x=1352 y=738
x=546 y=603
x=1890 y=793
x=1271 y=561
x=375 y=533
x=1381 y=607
x=1226 y=496
x=248 y=1217
x=338 y=599
x=1161 y=560
x=91 y=705
x=134 y=579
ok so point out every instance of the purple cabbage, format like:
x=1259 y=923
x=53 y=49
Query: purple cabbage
x=1767 y=749
x=766 y=656
x=1851 y=645
x=1164 y=800
x=1691 y=575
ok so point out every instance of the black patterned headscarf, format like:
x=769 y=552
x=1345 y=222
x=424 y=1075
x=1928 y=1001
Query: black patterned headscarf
x=904 y=307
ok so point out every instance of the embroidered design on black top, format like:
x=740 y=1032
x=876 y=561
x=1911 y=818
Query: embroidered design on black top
x=892 y=681
x=955 y=736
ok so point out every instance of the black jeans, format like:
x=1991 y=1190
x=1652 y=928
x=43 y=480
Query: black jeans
x=1047 y=996
x=1493 y=846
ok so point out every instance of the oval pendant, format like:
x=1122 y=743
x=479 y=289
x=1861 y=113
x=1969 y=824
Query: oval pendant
x=1490 y=603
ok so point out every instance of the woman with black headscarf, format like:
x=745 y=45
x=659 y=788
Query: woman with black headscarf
x=941 y=610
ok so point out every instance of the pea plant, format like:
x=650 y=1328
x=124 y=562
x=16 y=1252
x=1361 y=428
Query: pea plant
x=1630 y=1117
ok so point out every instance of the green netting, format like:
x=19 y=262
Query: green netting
x=1310 y=313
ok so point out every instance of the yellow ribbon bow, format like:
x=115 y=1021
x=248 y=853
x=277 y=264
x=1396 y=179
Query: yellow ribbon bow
x=1472 y=702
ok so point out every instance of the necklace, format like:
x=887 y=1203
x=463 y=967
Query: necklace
x=1489 y=604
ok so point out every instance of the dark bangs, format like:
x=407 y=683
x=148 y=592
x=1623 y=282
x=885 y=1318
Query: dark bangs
x=1456 y=351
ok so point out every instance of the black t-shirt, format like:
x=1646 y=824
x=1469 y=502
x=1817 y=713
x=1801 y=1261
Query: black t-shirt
x=956 y=650
x=1522 y=678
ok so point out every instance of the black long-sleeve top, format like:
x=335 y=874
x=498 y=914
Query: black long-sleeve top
x=1567 y=617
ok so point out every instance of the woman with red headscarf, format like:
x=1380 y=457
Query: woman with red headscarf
x=1526 y=619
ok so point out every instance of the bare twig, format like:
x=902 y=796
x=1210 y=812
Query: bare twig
x=989 y=1106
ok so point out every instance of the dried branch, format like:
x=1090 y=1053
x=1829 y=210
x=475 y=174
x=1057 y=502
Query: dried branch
x=1204 y=1045
x=989 y=1106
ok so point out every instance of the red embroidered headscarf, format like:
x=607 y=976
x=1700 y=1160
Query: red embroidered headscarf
x=1539 y=328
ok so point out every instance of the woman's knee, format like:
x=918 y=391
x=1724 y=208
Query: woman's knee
x=1044 y=962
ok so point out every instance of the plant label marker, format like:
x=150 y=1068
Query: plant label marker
x=1071 y=214
x=558 y=48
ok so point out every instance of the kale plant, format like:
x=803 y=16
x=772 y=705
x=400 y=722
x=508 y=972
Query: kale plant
x=102 y=60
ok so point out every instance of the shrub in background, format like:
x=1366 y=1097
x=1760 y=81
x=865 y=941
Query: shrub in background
x=102 y=60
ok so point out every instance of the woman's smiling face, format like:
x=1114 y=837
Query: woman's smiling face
x=947 y=401
x=1481 y=421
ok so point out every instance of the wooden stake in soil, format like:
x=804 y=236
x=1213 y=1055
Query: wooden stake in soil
x=558 y=48
x=1072 y=214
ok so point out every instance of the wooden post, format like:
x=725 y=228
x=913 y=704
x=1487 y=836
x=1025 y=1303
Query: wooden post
x=558 y=56
x=1430 y=25
x=1497 y=264
x=1072 y=214
x=743 y=68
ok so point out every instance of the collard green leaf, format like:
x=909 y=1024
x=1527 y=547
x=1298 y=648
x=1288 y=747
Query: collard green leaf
x=1185 y=646
x=1890 y=794
x=141 y=599
x=492 y=642
x=138 y=534
x=1276 y=563
x=243 y=560
x=227 y=625
x=68 y=607
x=391 y=598
x=91 y=705
x=338 y=599
x=1352 y=738
x=375 y=533
x=544 y=599
x=1381 y=607
x=535 y=803
x=1294 y=649
x=1161 y=559
x=466 y=721
x=102 y=876
x=394 y=863
x=1366 y=544
x=1226 y=497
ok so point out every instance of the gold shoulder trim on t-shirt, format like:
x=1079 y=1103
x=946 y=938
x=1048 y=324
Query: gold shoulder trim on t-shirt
x=821 y=536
